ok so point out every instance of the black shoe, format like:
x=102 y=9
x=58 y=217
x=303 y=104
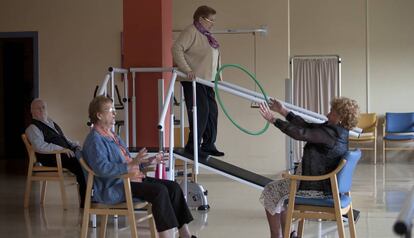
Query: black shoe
x=355 y=214
x=213 y=152
x=190 y=150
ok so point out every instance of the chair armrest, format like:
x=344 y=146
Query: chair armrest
x=127 y=175
x=315 y=178
x=57 y=151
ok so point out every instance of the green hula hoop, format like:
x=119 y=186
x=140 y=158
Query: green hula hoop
x=254 y=133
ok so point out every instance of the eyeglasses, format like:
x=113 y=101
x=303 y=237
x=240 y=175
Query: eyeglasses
x=112 y=110
x=211 y=21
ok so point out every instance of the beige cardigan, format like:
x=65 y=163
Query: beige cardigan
x=192 y=52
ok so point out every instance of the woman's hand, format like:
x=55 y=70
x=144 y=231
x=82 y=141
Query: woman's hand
x=278 y=107
x=158 y=158
x=138 y=174
x=191 y=75
x=266 y=113
x=141 y=154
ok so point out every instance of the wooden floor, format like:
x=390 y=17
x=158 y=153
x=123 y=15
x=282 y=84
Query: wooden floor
x=378 y=192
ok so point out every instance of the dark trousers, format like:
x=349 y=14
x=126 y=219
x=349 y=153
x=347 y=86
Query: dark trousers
x=207 y=114
x=70 y=163
x=169 y=207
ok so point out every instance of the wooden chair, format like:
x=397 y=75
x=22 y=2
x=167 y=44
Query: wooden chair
x=44 y=174
x=368 y=123
x=327 y=209
x=397 y=128
x=125 y=209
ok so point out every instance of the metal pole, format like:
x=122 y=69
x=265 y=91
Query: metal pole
x=134 y=116
x=113 y=87
x=171 y=155
x=161 y=105
x=167 y=102
x=404 y=223
x=151 y=70
x=126 y=109
x=195 y=128
x=104 y=85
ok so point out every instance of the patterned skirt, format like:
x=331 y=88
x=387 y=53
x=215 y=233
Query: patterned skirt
x=276 y=194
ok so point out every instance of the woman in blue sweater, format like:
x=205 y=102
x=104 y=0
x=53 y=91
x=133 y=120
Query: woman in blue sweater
x=108 y=157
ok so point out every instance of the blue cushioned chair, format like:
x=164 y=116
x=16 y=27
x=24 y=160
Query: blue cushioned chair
x=397 y=128
x=334 y=208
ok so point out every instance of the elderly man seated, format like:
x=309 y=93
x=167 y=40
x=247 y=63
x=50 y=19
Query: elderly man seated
x=46 y=136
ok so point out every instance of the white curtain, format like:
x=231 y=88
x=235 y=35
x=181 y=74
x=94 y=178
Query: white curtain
x=315 y=83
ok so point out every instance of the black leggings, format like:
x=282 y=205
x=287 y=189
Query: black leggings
x=168 y=203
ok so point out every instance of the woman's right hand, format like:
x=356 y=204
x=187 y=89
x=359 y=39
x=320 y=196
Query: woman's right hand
x=276 y=106
x=191 y=75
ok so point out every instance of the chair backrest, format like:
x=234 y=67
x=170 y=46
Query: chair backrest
x=367 y=121
x=399 y=122
x=86 y=167
x=29 y=148
x=345 y=175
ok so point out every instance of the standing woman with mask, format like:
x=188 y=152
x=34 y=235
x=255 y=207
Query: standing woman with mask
x=196 y=53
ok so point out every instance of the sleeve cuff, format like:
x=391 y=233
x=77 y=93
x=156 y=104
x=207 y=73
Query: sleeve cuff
x=290 y=116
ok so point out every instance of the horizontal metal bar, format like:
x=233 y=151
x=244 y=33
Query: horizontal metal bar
x=151 y=70
x=262 y=30
x=118 y=70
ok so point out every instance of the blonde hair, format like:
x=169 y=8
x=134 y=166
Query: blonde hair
x=347 y=110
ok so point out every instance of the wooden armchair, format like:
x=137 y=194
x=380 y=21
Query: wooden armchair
x=44 y=174
x=125 y=209
x=327 y=209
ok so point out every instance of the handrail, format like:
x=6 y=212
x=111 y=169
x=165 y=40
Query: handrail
x=167 y=102
x=403 y=224
x=104 y=85
x=151 y=70
x=258 y=98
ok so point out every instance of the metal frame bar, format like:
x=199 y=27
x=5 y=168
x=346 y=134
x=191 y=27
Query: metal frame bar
x=403 y=224
x=262 y=30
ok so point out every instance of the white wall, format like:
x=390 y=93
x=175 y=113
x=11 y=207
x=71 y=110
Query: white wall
x=78 y=40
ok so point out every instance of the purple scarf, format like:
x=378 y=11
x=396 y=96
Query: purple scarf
x=213 y=42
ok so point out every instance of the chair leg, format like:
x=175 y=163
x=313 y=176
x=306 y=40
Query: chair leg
x=133 y=226
x=383 y=152
x=151 y=222
x=104 y=222
x=43 y=193
x=301 y=227
x=375 y=151
x=63 y=192
x=289 y=215
x=85 y=223
x=351 y=223
x=340 y=224
x=27 y=192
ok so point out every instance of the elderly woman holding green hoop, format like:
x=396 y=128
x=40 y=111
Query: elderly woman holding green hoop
x=326 y=144
x=196 y=53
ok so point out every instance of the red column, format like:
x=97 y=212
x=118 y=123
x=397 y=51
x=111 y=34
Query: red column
x=147 y=43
